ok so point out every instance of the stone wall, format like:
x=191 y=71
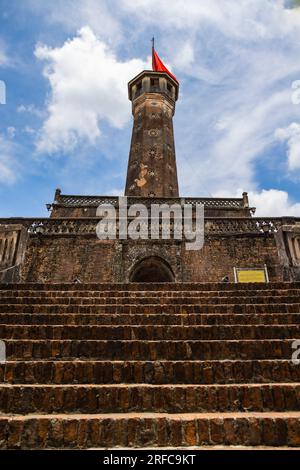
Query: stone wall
x=65 y=258
x=221 y=254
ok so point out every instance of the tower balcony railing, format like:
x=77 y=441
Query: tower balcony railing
x=95 y=201
x=213 y=225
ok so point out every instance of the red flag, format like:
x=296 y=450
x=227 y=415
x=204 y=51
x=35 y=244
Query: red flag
x=158 y=65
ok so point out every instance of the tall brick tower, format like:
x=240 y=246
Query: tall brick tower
x=152 y=164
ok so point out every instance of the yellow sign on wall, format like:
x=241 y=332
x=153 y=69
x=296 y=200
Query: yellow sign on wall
x=251 y=274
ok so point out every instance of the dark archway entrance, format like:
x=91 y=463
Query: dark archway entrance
x=152 y=269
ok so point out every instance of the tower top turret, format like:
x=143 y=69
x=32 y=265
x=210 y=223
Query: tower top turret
x=150 y=81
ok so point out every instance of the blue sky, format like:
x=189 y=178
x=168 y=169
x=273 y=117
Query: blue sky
x=67 y=119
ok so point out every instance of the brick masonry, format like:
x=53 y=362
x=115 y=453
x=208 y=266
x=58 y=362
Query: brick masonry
x=93 y=260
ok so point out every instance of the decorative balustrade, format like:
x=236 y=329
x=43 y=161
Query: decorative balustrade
x=95 y=201
x=86 y=201
x=87 y=226
x=216 y=203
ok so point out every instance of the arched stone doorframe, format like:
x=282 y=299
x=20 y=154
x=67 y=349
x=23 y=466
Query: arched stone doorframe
x=152 y=269
x=134 y=253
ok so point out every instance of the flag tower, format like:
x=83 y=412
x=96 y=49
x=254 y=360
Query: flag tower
x=152 y=168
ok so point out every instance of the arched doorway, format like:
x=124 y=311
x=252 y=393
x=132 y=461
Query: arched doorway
x=152 y=269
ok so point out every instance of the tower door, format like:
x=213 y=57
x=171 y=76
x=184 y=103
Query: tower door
x=152 y=269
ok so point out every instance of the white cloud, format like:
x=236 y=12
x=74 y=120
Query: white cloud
x=4 y=60
x=228 y=136
x=274 y=203
x=185 y=57
x=11 y=132
x=250 y=19
x=29 y=130
x=100 y=16
x=291 y=135
x=30 y=109
x=88 y=85
x=268 y=202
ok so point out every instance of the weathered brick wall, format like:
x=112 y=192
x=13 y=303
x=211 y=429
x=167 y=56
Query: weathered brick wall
x=221 y=254
x=58 y=259
x=61 y=211
x=64 y=258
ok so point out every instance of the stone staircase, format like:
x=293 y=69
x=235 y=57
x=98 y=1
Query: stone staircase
x=149 y=365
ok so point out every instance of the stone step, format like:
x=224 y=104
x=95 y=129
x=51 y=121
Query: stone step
x=149 y=319
x=149 y=332
x=25 y=399
x=149 y=429
x=148 y=308
x=139 y=294
x=119 y=301
x=149 y=350
x=137 y=365
x=148 y=287
x=153 y=372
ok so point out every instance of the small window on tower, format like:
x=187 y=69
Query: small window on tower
x=154 y=82
x=138 y=88
x=169 y=87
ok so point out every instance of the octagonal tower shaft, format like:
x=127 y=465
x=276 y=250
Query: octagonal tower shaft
x=152 y=168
